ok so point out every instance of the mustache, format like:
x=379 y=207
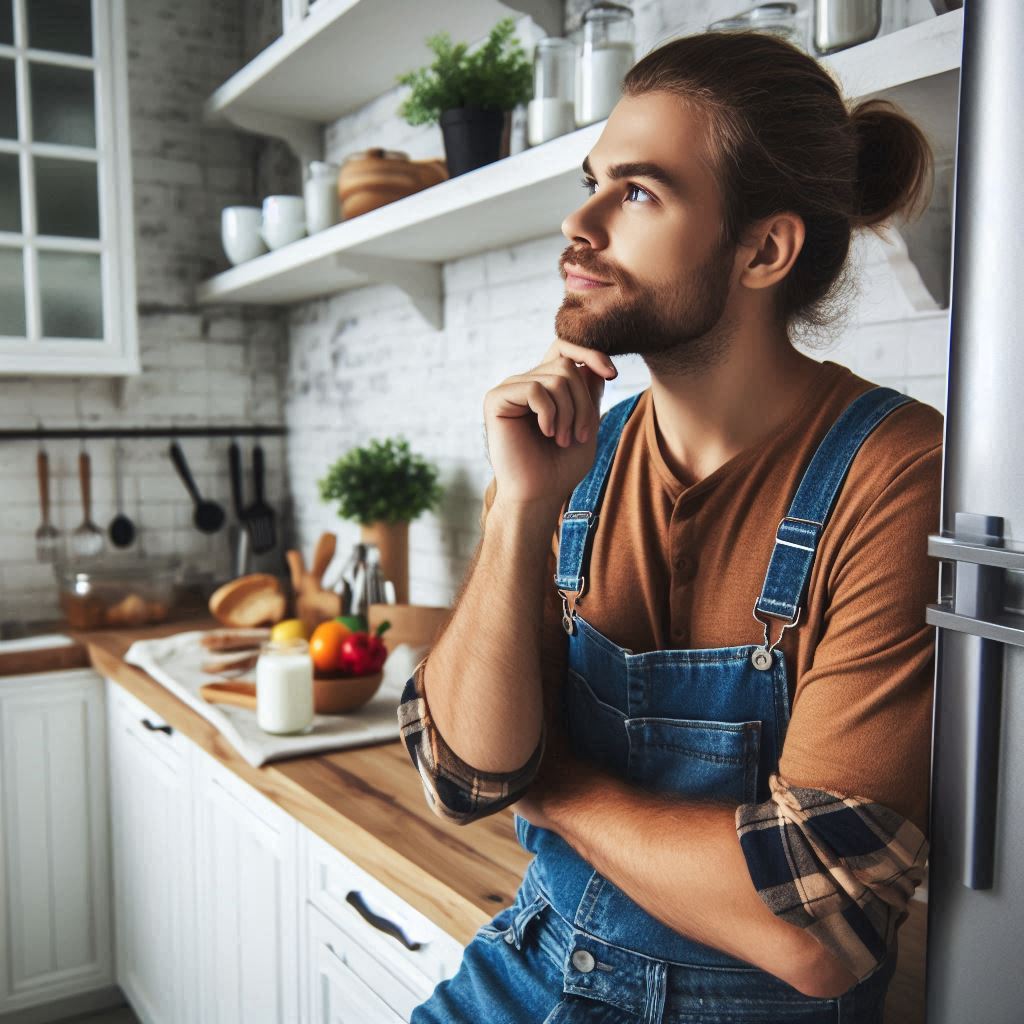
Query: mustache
x=586 y=259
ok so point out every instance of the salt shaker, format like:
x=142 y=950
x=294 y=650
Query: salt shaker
x=552 y=110
x=284 y=687
x=321 y=194
x=605 y=57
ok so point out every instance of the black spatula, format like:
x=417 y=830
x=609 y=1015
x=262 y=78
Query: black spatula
x=259 y=516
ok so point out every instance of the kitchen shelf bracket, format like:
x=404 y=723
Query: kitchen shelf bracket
x=302 y=137
x=421 y=281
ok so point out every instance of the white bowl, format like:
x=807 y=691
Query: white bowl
x=240 y=233
x=283 y=221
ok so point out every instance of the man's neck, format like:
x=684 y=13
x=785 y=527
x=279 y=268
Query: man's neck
x=707 y=415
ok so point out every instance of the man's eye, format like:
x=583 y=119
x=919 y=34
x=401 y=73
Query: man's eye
x=634 y=193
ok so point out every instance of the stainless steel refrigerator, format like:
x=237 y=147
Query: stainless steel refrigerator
x=975 y=960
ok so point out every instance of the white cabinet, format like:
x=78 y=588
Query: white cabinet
x=338 y=994
x=54 y=857
x=153 y=877
x=248 y=900
x=228 y=911
x=358 y=929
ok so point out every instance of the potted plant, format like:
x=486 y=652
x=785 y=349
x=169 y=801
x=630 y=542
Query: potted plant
x=470 y=94
x=383 y=487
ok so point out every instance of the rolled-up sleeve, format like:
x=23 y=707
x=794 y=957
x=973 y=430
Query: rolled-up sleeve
x=455 y=790
x=842 y=867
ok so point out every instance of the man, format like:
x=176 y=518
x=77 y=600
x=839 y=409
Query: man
x=714 y=721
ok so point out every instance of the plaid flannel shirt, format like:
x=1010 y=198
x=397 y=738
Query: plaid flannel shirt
x=843 y=867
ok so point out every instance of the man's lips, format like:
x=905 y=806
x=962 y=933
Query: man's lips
x=579 y=281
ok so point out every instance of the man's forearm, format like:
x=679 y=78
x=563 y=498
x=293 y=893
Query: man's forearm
x=682 y=862
x=482 y=679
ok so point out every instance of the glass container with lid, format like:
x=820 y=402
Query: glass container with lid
x=284 y=687
x=320 y=191
x=785 y=20
x=606 y=55
x=552 y=110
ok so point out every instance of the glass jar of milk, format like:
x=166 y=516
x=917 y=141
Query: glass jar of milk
x=552 y=110
x=284 y=687
x=606 y=55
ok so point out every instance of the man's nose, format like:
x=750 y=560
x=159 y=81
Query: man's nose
x=586 y=225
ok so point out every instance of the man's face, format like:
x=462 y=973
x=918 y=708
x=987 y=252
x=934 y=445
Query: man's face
x=649 y=233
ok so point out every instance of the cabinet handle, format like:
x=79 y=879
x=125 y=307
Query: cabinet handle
x=157 y=728
x=380 y=923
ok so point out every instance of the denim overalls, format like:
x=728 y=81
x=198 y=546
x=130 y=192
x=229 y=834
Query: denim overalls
x=700 y=724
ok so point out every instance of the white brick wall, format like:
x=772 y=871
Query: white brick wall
x=199 y=366
x=363 y=364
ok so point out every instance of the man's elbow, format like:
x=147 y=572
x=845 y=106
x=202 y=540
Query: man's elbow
x=822 y=976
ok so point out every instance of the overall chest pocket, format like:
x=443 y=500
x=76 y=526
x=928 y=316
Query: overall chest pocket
x=696 y=758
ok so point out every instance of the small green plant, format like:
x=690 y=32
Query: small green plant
x=383 y=482
x=498 y=76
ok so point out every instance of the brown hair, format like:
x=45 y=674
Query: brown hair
x=779 y=138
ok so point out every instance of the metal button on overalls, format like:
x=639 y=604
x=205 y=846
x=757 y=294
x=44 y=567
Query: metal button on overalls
x=583 y=961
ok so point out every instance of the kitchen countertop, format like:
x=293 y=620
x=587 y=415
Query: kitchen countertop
x=367 y=802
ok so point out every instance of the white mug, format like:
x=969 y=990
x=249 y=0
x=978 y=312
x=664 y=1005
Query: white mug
x=240 y=233
x=284 y=220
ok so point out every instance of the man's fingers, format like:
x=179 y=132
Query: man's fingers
x=519 y=398
x=596 y=361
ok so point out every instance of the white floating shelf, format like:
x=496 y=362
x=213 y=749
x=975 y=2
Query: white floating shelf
x=346 y=52
x=528 y=195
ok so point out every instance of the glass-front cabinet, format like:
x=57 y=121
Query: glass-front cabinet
x=67 y=283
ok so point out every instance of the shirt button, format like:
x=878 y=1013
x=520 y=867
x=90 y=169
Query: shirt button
x=583 y=961
x=686 y=567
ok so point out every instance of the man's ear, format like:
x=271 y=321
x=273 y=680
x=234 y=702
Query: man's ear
x=774 y=244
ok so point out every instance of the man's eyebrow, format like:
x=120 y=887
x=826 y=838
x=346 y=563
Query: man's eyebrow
x=637 y=169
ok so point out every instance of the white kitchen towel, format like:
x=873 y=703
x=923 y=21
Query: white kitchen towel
x=175 y=662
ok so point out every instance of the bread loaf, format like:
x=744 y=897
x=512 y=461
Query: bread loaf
x=253 y=600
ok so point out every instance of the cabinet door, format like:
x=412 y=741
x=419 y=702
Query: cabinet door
x=381 y=922
x=54 y=859
x=246 y=866
x=153 y=881
x=338 y=993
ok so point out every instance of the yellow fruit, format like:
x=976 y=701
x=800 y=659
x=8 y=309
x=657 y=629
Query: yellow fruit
x=289 y=629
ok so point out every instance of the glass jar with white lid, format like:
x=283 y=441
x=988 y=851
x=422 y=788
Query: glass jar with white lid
x=552 y=110
x=284 y=687
x=606 y=54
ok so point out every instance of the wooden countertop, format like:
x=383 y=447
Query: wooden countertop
x=366 y=802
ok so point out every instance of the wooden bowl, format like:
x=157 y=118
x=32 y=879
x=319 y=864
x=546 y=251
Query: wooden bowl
x=336 y=695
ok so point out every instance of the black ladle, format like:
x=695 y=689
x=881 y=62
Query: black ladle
x=121 y=529
x=209 y=516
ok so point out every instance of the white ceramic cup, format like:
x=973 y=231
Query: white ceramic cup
x=284 y=220
x=240 y=233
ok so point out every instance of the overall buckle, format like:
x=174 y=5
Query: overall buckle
x=762 y=657
x=569 y=611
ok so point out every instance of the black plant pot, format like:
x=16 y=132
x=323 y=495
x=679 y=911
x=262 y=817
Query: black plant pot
x=472 y=137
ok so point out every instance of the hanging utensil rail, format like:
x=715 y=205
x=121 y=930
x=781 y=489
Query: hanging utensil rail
x=89 y=433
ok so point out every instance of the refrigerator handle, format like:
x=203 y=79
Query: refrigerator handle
x=977 y=602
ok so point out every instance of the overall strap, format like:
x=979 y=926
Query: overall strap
x=581 y=515
x=797 y=536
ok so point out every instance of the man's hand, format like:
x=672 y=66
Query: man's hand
x=542 y=425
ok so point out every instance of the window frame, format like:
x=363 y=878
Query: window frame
x=116 y=354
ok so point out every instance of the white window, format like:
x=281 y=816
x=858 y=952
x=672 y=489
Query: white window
x=67 y=274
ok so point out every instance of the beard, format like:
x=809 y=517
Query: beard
x=674 y=328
